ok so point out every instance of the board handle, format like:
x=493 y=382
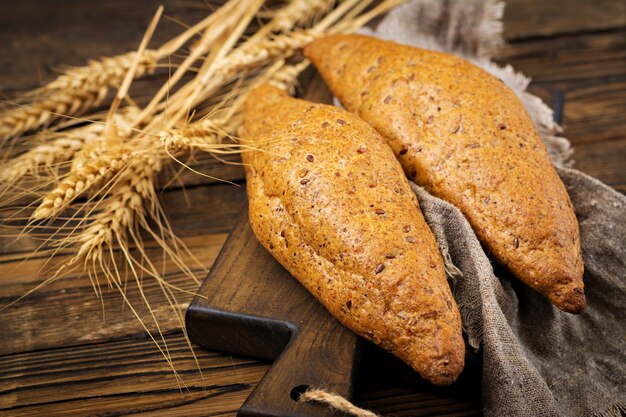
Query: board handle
x=320 y=355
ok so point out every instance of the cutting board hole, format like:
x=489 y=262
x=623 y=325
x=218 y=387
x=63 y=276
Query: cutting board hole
x=297 y=391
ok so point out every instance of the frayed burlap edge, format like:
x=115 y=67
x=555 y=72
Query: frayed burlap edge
x=614 y=410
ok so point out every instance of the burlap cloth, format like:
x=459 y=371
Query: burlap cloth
x=537 y=360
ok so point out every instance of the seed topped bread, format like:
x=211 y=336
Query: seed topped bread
x=330 y=202
x=466 y=137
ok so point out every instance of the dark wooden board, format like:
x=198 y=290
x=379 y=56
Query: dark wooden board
x=249 y=305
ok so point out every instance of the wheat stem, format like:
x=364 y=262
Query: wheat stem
x=130 y=74
x=206 y=134
x=221 y=21
x=299 y=12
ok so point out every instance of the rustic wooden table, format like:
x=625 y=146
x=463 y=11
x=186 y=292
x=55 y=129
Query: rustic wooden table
x=58 y=356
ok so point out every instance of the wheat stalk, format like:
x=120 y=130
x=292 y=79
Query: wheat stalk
x=258 y=51
x=254 y=52
x=244 y=58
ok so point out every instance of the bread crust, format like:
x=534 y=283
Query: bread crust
x=466 y=137
x=330 y=202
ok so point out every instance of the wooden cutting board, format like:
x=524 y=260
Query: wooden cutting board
x=250 y=305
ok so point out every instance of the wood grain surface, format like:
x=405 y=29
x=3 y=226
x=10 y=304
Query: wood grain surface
x=60 y=355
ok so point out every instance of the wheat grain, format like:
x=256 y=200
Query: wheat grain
x=253 y=55
x=108 y=71
x=287 y=77
x=198 y=135
x=257 y=52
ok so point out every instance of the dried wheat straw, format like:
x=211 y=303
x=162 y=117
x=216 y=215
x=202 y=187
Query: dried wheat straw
x=206 y=133
x=257 y=52
x=221 y=21
x=299 y=13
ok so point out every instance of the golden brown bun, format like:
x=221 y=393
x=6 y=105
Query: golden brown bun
x=330 y=202
x=463 y=135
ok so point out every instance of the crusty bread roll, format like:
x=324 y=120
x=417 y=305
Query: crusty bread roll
x=330 y=202
x=466 y=137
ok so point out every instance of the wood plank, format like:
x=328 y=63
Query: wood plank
x=569 y=59
x=606 y=163
x=534 y=18
x=125 y=377
x=588 y=69
x=42 y=38
x=407 y=402
x=130 y=377
x=71 y=304
x=191 y=211
x=54 y=38
x=595 y=113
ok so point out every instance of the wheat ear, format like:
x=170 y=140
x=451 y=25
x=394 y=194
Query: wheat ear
x=42 y=156
x=117 y=212
x=67 y=145
x=81 y=88
x=202 y=135
x=96 y=170
x=118 y=220
x=73 y=92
